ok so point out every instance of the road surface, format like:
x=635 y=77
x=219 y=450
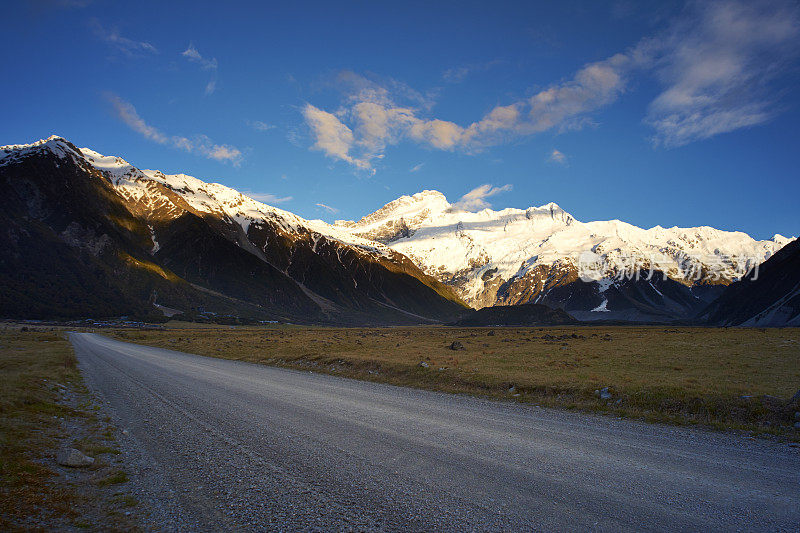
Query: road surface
x=228 y=445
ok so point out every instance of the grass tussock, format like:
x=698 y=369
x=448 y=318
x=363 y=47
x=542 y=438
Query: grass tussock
x=724 y=378
x=114 y=478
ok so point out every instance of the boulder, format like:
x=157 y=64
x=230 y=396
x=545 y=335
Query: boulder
x=73 y=458
x=455 y=345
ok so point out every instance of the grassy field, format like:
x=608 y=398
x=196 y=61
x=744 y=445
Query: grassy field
x=724 y=378
x=44 y=406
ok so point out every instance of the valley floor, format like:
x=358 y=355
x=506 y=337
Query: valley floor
x=193 y=426
x=728 y=378
x=236 y=446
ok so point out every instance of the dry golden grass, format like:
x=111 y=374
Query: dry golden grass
x=716 y=377
x=31 y=363
x=36 y=368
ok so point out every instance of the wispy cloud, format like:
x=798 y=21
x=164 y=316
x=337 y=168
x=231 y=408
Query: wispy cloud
x=460 y=73
x=127 y=113
x=59 y=4
x=329 y=209
x=416 y=168
x=259 y=125
x=717 y=66
x=455 y=74
x=268 y=198
x=205 y=63
x=475 y=200
x=124 y=45
x=199 y=144
x=557 y=156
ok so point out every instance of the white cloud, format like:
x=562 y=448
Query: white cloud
x=124 y=45
x=211 y=65
x=268 y=198
x=371 y=119
x=475 y=200
x=199 y=144
x=596 y=85
x=332 y=137
x=329 y=209
x=416 y=168
x=259 y=125
x=557 y=157
x=717 y=65
x=716 y=62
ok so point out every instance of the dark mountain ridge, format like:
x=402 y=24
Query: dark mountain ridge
x=516 y=315
x=769 y=296
x=75 y=245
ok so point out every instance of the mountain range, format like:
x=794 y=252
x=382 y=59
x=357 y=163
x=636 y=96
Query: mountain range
x=92 y=235
x=606 y=270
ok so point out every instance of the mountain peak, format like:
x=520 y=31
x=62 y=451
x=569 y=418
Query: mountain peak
x=55 y=143
x=429 y=193
x=552 y=206
x=50 y=141
x=428 y=197
x=417 y=206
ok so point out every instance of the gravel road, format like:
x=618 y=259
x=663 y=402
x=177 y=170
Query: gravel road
x=226 y=445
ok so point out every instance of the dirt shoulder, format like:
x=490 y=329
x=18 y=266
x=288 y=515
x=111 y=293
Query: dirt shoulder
x=46 y=408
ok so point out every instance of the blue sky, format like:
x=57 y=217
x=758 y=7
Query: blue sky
x=662 y=113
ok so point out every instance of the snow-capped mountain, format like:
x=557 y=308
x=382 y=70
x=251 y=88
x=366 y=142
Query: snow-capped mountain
x=595 y=270
x=147 y=191
x=121 y=240
x=133 y=238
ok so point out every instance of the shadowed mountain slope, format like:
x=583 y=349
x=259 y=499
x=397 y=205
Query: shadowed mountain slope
x=767 y=297
x=88 y=235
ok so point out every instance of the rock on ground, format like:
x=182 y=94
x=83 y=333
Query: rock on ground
x=73 y=458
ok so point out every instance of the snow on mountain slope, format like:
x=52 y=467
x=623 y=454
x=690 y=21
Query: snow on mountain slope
x=135 y=184
x=138 y=186
x=476 y=251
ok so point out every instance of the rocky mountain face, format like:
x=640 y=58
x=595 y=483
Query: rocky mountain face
x=91 y=235
x=606 y=270
x=768 y=296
